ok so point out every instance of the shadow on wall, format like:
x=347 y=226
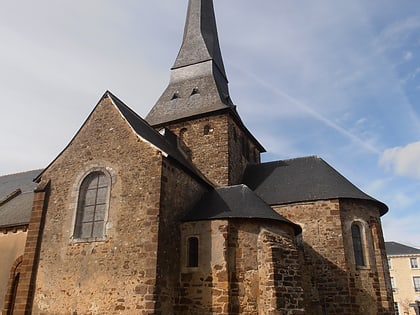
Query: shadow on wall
x=329 y=290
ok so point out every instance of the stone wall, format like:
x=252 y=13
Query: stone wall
x=332 y=282
x=116 y=274
x=246 y=267
x=179 y=193
x=218 y=147
x=370 y=286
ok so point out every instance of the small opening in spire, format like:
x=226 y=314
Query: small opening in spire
x=175 y=96
x=195 y=91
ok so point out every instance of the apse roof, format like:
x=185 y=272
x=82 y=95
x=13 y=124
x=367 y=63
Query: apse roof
x=235 y=202
x=397 y=249
x=16 y=196
x=301 y=179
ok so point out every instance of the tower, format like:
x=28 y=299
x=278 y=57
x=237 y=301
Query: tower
x=197 y=105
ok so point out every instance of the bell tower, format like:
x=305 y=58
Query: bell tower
x=197 y=106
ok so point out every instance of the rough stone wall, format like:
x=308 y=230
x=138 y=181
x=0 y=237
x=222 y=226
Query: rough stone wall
x=218 y=147
x=264 y=269
x=332 y=283
x=180 y=192
x=281 y=288
x=204 y=290
x=370 y=286
x=12 y=245
x=117 y=274
x=245 y=267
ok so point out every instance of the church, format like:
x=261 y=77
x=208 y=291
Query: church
x=175 y=213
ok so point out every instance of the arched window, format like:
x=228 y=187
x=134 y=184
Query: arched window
x=92 y=206
x=193 y=252
x=12 y=286
x=356 y=235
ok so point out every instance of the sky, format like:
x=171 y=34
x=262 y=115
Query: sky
x=335 y=79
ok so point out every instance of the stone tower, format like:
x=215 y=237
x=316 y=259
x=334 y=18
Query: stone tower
x=197 y=106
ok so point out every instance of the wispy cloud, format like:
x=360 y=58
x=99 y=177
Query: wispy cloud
x=403 y=161
x=312 y=112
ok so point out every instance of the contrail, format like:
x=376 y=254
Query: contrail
x=311 y=112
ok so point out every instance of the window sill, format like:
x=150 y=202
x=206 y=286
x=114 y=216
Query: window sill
x=88 y=240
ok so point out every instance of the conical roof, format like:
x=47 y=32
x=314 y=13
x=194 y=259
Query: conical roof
x=235 y=202
x=302 y=179
x=198 y=83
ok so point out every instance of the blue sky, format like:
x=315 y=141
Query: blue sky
x=337 y=79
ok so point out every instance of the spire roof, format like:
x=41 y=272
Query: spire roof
x=201 y=42
x=198 y=83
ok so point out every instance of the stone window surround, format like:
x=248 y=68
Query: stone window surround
x=110 y=174
x=363 y=227
x=193 y=252
x=185 y=262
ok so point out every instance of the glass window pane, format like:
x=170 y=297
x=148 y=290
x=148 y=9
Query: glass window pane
x=102 y=192
x=86 y=230
x=193 y=252
x=90 y=198
x=357 y=245
x=88 y=214
x=91 y=181
x=98 y=229
x=102 y=181
x=100 y=212
x=413 y=263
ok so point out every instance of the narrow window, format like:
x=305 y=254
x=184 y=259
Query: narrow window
x=193 y=252
x=393 y=286
x=358 y=245
x=416 y=282
x=207 y=130
x=91 y=207
x=389 y=263
x=413 y=263
x=12 y=300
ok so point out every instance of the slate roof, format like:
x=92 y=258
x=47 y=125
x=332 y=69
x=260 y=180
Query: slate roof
x=300 y=180
x=235 y=202
x=397 y=249
x=200 y=42
x=165 y=142
x=198 y=85
x=16 y=196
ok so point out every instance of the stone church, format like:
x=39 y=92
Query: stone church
x=176 y=214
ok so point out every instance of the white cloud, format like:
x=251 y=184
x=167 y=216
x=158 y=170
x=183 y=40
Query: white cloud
x=403 y=161
x=408 y=56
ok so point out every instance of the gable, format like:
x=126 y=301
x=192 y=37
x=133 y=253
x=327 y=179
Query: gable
x=112 y=125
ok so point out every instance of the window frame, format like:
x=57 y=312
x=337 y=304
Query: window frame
x=359 y=249
x=77 y=236
x=193 y=257
x=393 y=284
x=416 y=265
x=416 y=283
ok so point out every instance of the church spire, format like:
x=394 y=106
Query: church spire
x=198 y=83
x=201 y=42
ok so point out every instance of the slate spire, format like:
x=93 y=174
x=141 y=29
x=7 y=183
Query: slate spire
x=198 y=83
x=200 y=42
